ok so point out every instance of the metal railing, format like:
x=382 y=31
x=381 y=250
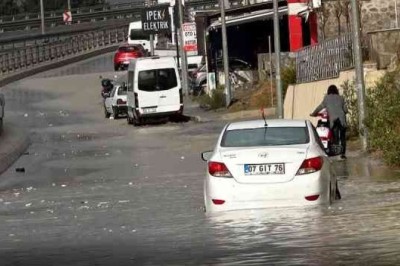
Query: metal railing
x=87 y=14
x=29 y=56
x=105 y=12
x=324 y=60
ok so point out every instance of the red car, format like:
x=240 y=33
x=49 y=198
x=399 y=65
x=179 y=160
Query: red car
x=126 y=53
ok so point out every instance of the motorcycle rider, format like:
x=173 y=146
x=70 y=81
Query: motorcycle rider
x=337 y=110
x=107 y=87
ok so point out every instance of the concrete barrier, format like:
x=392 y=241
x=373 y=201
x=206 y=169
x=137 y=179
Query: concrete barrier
x=302 y=99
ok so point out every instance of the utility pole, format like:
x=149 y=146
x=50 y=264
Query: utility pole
x=228 y=91
x=397 y=14
x=69 y=5
x=42 y=16
x=270 y=70
x=152 y=44
x=184 y=73
x=360 y=84
x=277 y=42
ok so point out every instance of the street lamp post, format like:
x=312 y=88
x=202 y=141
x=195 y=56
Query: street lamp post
x=277 y=40
x=397 y=14
x=360 y=84
x=69 y=5
x=225 y=54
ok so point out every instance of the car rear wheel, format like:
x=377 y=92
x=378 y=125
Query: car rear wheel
x=116 y=67
x=106 y=113
x=116 y=112
x=200 y=89
x=338 y=196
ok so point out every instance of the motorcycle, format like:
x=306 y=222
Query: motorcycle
x=329 y=137
x=107 y=86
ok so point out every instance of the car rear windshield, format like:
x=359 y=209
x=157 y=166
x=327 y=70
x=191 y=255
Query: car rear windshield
x=138 y=35
x=268 y=136
x=128 y=49
x=157 y=79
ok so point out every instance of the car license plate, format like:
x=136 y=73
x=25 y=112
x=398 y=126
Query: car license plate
x=264 y=169
x=125 y=62
x=149 y=110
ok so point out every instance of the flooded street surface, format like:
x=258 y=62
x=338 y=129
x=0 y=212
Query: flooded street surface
x=99 y=192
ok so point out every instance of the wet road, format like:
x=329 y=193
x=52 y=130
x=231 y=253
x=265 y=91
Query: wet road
x=99 y=192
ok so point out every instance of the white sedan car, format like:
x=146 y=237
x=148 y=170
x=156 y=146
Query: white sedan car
x=268 y=163
x=115 y=102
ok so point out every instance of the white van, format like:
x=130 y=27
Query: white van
x=137 y=36
x=154 y=89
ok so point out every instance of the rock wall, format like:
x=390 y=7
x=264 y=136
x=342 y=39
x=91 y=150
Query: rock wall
x=335 y=16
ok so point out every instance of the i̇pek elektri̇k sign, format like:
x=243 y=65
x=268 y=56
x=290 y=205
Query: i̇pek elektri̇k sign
x=156 y=19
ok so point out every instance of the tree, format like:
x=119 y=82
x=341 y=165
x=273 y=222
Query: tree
x=9 y=7
x=323 y=17
x=338 y=11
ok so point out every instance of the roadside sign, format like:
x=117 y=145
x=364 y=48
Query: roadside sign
x=189 y=37
x=156 y=19
x=67 y=16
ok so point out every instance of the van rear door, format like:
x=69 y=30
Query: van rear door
x=159 y=90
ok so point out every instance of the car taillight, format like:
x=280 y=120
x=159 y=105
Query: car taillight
x=310 y=166
x=218 y=169
x=218 y=201
x=119 y=101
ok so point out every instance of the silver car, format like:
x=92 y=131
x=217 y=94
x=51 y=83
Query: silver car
x=115 y=101
x=199 y=77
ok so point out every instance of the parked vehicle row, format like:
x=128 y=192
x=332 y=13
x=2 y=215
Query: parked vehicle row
x=149 y=89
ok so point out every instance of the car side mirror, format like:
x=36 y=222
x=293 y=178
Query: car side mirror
x=206 y=156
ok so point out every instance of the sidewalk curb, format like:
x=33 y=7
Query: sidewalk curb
x=226 y=116
x=13 y=143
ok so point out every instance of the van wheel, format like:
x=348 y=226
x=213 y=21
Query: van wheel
x=136 y=121
x=129 y=120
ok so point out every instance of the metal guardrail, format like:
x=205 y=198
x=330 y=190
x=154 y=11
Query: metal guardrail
x=88 y=14
x=29 y=56
x=324 y=60
x=104 y=12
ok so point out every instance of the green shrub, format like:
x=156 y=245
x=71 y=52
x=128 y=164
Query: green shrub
x=383 y=120
x=350 y=97
x=214 y=101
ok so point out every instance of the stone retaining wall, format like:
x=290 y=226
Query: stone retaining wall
x=335 y=16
